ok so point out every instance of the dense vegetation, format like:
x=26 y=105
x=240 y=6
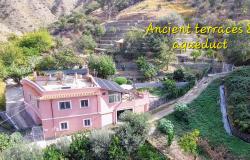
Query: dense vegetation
x=211 y=127
x=18 y=56
x=127 y=141
x=238 y=92
x=101 y=66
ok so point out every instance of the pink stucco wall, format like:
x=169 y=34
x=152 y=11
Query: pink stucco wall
x=47 y=113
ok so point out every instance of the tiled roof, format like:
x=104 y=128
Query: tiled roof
x=108 y=85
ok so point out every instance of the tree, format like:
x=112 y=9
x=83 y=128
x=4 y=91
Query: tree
x=103 y=65
x=80 y=148
x=22 y=152
x=100 y=141
x=87 y=43
x=64 y=59
x=170 y=87
x=18 y=72
x=11 y=54
x=189 y=142
x=178 y=75
x=4 y=141
x=167 y=127
x=116 y=150
x=166 y=56
x=52 y=153
x=34 y=43
x=134 y=131
x=238 y=51
x=146 y=68
x=196 y=54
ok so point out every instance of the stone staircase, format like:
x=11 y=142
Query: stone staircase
x=116 y=30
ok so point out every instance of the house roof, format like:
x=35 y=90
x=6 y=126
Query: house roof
x=108 y=85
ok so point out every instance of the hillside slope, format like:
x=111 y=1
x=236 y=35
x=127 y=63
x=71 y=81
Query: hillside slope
x=18 y=16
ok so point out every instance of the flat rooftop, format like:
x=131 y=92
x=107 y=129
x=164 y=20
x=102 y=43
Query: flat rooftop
x=49 y=83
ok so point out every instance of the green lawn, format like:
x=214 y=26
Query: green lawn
x=205 y=115
x=2 y=95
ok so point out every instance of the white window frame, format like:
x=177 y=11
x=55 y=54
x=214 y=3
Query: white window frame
x=60 y=125
x=66 y=108
x=115 y=94
x=84 y=106
x=89 y=120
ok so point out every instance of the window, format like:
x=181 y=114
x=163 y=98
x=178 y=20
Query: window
x=84 y=103
x=114 y=97
x=87 y=122
x=64 y=105
x=64 y=126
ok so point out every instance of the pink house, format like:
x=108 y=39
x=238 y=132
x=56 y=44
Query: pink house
x=64 y=104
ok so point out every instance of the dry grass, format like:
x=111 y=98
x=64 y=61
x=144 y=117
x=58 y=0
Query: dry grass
x=158 y=8
x=2 y=95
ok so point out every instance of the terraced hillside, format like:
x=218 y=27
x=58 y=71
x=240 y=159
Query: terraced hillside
x=139 y=16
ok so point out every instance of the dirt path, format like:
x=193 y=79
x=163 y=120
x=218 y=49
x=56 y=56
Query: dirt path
x=157 y=139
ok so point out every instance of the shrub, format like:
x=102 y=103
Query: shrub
x=37 y=42
x=189 y=142
x=22 y=152
x=148 y=152
x=86 y=43
x=92 y=6
x=116 y=150
x=167 y=127
x=80 y=148
x=52 y=153
x=181 y=112
x=121 y=80
x=134 y=131
x=103 y=65
x=170 y=87
x=148 y=69
x=178 y=75
x=100 y=141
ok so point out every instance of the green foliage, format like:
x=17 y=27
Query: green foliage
x=100 y=141
x=34 y=43
x=148 y=69
x=238 y=90
x=210 y=127
x=189 y=142
x=121 y=80
x=80 y=148
x=178 y=75
x=134 y=131
x=7 y=141
x=103 y=65
x=22 y=152
x=167 y=127
x=238 y=51
x=181 y=112
x=147 y=152
x=64 y=59
x=116 y=150
x=86 y=42
x=4 y=141
x=90 y=7
x=196 y=54
x=52 y=153
x=170 y=88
